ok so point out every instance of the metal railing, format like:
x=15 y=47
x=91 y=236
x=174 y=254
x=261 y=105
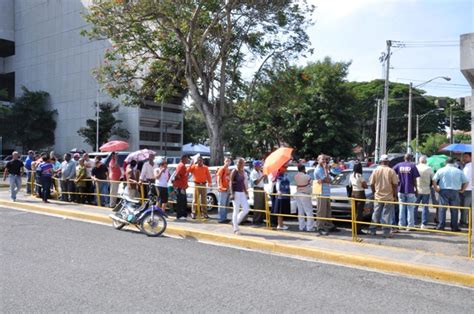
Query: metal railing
x=268 y=214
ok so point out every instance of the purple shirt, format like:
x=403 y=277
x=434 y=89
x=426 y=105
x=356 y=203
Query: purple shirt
x=407 y=173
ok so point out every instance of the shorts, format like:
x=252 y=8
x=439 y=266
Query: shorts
x=162 y=194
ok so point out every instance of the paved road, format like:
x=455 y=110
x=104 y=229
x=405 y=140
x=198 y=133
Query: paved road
x=51 y=264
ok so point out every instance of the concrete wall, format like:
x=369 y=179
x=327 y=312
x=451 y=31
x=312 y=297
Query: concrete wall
x=7 y=20
x=52 y=56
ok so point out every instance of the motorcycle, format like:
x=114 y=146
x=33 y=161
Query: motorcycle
x=147 y=217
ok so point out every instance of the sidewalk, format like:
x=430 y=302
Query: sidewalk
x=338 y=248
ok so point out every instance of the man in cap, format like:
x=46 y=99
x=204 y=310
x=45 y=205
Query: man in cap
x=384 y=185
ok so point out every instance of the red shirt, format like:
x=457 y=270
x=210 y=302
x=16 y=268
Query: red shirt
x=114 y=170
x=181 y=178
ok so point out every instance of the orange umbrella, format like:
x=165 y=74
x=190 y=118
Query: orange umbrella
x=275 y=160
x=113 y=146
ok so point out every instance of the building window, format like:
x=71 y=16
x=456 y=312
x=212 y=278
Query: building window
x=149 y=136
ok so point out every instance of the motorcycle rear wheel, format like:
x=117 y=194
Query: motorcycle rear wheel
x=153 y=225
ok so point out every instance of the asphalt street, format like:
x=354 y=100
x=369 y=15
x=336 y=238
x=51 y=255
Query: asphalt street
x=51 y=264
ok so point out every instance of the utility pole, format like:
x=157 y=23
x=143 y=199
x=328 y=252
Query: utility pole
x=384 y=115
x=417 y=136
x=410 y=106
x=377 y=133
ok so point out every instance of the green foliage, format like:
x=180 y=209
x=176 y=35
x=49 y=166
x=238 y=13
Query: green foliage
x=162 y=48
x=462 y=138
x=30 y=123
x=432 y=143
x=365 y=114
x=194 y=127
x=108 y=125
x=305 y=108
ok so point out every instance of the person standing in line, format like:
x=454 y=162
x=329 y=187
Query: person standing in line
x=452 y=181
x=466 y=197
x=223 y=178
x=303 y=200
x=239 y=195
x=89 y=164
x=407 y=190
x=359 y=185
x=37 y=175
x=115 y=173
x=283 y=197
x=46 y=177
x=321 y=175
x=81 y=185
x=14 y=170
x=384 y=185
x=100 y=174
x=132 y=175
x=147 y=173
x=257 y=183
x=180 y=184
x=201 y=175
x=423 y=183
x=68 y=174
x=29 y=160
x=162 y=176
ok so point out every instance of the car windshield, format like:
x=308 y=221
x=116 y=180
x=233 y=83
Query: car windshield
x=343 y=178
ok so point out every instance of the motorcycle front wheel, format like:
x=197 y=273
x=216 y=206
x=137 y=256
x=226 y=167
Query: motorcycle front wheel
x=153 y=224
x=119 y=212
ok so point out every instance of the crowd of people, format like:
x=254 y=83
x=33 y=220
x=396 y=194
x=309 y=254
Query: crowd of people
x=79 y=179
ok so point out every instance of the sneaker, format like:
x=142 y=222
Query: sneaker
x=193 y=216
x=423 y=226
x=311 y=230
x=323 y=232
x=282 y=227
x=237 y=232
x=395 y=230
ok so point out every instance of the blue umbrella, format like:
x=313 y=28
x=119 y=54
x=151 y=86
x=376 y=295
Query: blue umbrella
x=459 y=147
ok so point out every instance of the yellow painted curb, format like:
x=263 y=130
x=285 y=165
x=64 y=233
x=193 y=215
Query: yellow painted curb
x=368 y=261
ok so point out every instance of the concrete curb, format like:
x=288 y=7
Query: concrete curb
x=417 y=270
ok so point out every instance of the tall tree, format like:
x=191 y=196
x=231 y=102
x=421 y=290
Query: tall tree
x=108 y=125
x=30 y=121
x=303 y=107
x=198 y=46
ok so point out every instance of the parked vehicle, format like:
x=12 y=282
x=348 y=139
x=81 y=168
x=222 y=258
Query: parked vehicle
x=148 y=218
x=340 y=206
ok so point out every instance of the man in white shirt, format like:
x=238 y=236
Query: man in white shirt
x=147 y=175
x=466 y=197
x=303 y=199
x=423 y=183
x=257 y=183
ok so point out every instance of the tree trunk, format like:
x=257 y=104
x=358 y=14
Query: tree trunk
x=215 y=129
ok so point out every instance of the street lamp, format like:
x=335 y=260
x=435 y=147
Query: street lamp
x=410 y=104
x=418 y=118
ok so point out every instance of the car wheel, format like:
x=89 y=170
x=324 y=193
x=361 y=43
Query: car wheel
x=211 y=202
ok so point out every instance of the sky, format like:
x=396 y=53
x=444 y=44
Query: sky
x=357 y=31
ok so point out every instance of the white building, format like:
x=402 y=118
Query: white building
x=41 y=48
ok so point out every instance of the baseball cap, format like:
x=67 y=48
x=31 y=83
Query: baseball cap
x=257 y=163
x=384 y=157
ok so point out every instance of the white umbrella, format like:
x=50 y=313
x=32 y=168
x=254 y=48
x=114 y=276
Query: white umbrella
x=139 y=155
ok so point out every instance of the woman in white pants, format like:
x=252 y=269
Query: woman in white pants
x=239 y=194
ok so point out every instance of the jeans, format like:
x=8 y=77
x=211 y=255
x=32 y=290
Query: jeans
x=425 y=214
x=15 y=185
x=240 y=200
x=103 y=190
x=466 y=201
x=181 y=203
x=383 y=213
x=46 y=183
x=450 y=198
x=305 y=208
x=28 y=181
x=68 y=187
x=406 y=211
x=223 y=203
